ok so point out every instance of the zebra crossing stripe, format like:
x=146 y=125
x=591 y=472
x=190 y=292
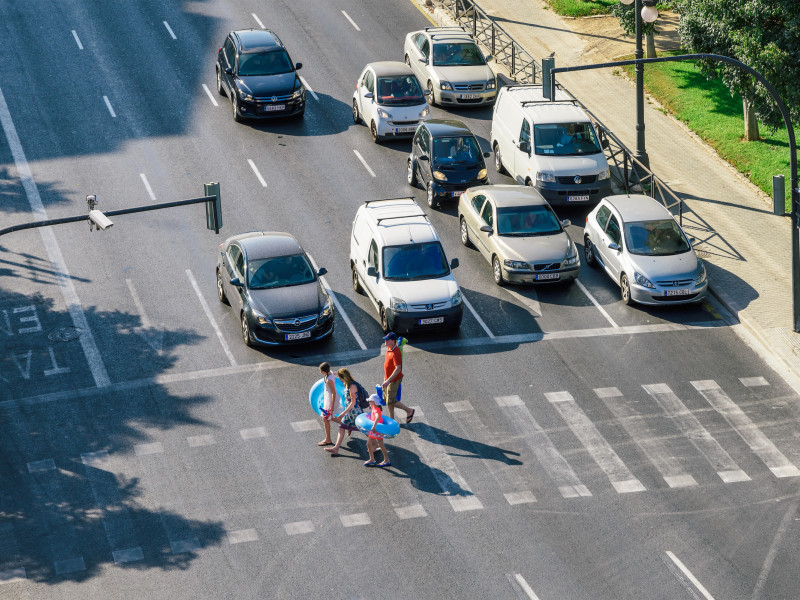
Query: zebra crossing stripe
x=690 y=426
x=759 y=443
x=599 y=449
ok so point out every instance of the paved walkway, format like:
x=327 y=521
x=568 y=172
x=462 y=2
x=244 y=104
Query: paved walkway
x=747 y=249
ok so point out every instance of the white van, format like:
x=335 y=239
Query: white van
x=398 y=261
x=553 y=146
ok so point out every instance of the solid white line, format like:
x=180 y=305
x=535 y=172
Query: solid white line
x=147 y=186
x=477 y=317
x=110 y=109
x=77 y=39
x=210 y=95
x=597 y=304
x=207 y=310
x=532 y=303
x=339 y=307
x=689 y=576
x=773 y=549
x=255 y=170
x=260 y=24
x=363 y=162
x=71 y=299
x=138 y=303
x=308 y=87
x=174 y=37
x=353 y=23
x=525 y=587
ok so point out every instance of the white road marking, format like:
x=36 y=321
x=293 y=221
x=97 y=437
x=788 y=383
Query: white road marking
x=153 y=336
x=596 y=303
x=774 y=547
x=460 y=406
x=110 y=108
x=753 y=381
x=355 y=520
x=363 y=162
x=689 y=576
x=13 y=575
x=147 y=186
x=723 y=464
x=207 y=310
x=40 y=466
x=77 y=39
x=241 y=536
x=353 y=23
x=253 y=433
x=86 y=339
x=525 y=587
x=759 y=443
x=188 y=545
x=339 y=307
x=651 y=446
x=514 y=498
x=480 y=321
x=596 y=445
x=147 y=449
x=301 y=426
x=255 y=170
x=415 y=511
x=260 y=24
x=171 y=33
x=196 y=441
x=531 y=303
x=308 y=87
x=210 y=95
x=509 y=401
x=299 y=527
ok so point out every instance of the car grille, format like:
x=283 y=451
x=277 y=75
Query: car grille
x=469 y=87
x=271 y=99
x=570 y=179
x=297 y=324
x=401 y=123
x=432 y=306
x=678 y=283
x=546 y=266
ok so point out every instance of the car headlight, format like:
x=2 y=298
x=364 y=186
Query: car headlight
x=547 y=177
x=516 y=264
x=491 y=84
x=455 y=299
x=383 y=114
x=572 y=256
x=261 y=319
x=297 y=93
x=445 y=86
x=642 y=280
x=327 y=309
x=246 y=96
x=602 y=175
x=425 y=112
x=701 y=274
x=439 y=175
x=482 y=174
x=398 y=305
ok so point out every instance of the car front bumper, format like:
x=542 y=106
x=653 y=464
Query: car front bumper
x=264 y=110
x=410 y=321
x=659 y=297
x=527 y=276
x=558 y=194
x=453 y=191
x=273 y=337
x=389 y=128
x=467 y=98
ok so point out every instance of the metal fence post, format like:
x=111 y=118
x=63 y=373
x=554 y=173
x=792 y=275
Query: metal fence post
x=474 y=22
x=513 y=56
x=493 y=52
x=778 y=195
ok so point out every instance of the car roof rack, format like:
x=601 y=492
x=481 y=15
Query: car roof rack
x=387 y=199
x=411 y=213
x=451 y=27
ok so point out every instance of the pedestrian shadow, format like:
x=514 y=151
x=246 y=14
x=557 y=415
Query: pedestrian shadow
x=467 y=448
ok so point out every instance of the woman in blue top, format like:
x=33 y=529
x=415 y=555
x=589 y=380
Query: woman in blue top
x=347 y=418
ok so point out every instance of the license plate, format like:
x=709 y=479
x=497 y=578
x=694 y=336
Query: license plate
x=298 y=336
x=456 y=194
x=431 y=321
x=470 y=96
x=577 y=198
x=677 y=292
x=405 y=129
x=548 y=276
x=270 y=107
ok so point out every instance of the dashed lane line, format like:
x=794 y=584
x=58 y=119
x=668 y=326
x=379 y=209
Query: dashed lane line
x=353 y=23
x=363 y=162
x=211 y=318
x=308 y=87
x=169 y=29
x=210 y=95
x=258 y=174
x=147 y=186
x=77 y=39
x=110 y=108
x=688 y=574
x=596 y=303
x=523 y=585
x=260 y=24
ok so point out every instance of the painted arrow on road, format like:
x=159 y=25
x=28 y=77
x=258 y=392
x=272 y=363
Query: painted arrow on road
x=153 y=336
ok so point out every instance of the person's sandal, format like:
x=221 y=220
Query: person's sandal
x=410 y=416
x=324 y=443
x=386 y=463
x=370 y=463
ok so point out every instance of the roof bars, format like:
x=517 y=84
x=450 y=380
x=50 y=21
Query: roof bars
x=387 y=199
x=453 y=27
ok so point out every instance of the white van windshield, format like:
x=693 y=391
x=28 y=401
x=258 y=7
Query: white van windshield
x=565 y=139
x=414 y=261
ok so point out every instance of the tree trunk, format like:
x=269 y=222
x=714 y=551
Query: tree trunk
x=650 y=43
x=750 y=122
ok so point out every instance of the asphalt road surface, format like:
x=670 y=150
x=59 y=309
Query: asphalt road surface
x=565 y=446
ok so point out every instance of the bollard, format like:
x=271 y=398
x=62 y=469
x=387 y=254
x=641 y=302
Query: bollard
x=778 y=195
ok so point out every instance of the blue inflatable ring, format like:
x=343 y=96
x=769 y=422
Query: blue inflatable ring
x=388 y=429
x=316 y=395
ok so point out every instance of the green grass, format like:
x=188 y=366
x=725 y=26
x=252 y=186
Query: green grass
x=708 y=109
x=581 y=8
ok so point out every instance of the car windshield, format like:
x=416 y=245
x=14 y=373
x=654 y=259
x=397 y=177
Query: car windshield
x=524 y=221
x=264 y=63
x=565 y=139
x=402 y=90
x=414 y=261
x=655 y=238
x=279 y=271
x=456 y=149
x=457 y=55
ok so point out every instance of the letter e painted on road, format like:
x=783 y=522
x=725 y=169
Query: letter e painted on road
x=29 y=319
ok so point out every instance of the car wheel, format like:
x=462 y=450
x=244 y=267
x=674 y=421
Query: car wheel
x=220 y=289
x=625 y=289
x=497 y=271
x=588 y=251
x=429 y=196
x=408 y=61
x=356 y=116
x=465 y=233
x=373 y=130
x=246 y=330
x=220 y=89
x=384 y=321
x=236 y=116
x=528 y=182
x=412 y=173
x=498 y=160
x=356 y=282
x=431 y=96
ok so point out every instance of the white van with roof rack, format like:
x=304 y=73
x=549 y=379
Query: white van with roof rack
x=550 y=145
x=398 y=261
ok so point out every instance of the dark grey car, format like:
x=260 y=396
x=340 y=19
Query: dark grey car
x=270 y=282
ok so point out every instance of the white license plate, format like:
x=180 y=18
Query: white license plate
x=431 y=321
x=405 y=129
x=577 y=198
x=548 y=276
x=270 y=107
x=677 y=292
x=298 y=336
x=456 y=194
x=470 y=96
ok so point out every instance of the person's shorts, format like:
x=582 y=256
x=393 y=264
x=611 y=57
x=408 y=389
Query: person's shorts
x=394 y=391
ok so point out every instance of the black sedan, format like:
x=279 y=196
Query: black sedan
x=268 y=280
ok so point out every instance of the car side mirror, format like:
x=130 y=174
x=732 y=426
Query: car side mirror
x=692 y=241
x=371 y=272
x=236 y=282
x=487 y=154
x=566 y=223
x=423 y=157
x=487 y=229
x=454 y=263
x=613 y=246
x=604 y=142
x=369 y=95
x=428 y=92
x=488 y=57
x=525 y=147
x=322 y=271
x=298 y=66
x=424 y=61
x=229 y=71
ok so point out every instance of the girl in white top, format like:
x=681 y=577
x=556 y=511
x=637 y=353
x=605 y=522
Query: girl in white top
x=328 y=402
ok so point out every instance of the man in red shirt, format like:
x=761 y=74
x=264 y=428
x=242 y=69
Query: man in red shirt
x=393 y=374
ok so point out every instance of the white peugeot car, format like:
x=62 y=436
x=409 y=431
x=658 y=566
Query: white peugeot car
x=389 y=99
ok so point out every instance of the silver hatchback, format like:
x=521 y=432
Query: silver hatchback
x=643 y=249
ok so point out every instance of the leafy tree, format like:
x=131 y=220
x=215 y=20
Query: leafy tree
x=763 y=34
x=627 y=20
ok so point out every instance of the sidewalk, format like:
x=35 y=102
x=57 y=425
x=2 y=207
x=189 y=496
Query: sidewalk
x=746 y=248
